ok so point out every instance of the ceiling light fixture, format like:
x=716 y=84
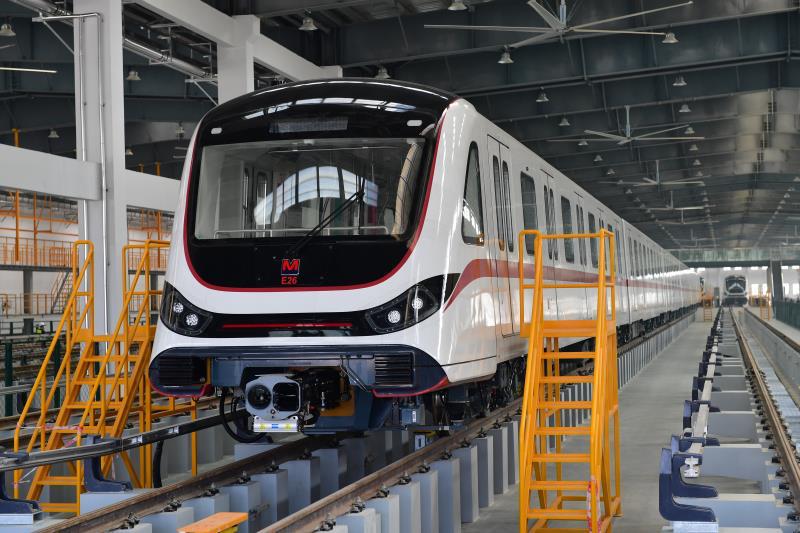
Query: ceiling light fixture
x=670 y=38
x=53 y=134
x=308 y=24
x=505 y=58
x=693 y=148
x=7 y=31
x=696 y=163
x=679 y=81
x=564 y=122
x=542 y=98
x=382 y=74
x=685 y=109
x=610 y=172
x=689 y=131
x=128 y=151
x=583 y=142
x=133 y=75
x=598 y=158
x=457 y=5
x=22 y=69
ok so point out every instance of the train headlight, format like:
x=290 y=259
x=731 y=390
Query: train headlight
x=413 y=306
x=181 y=316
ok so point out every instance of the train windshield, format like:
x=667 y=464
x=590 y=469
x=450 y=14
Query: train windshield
x=284 y=189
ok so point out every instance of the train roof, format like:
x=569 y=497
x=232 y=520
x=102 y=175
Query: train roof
x=420 y=96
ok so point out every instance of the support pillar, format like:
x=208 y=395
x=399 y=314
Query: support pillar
x=775 y=279
x=27 y=291
x=235 y=63
x=100 y=135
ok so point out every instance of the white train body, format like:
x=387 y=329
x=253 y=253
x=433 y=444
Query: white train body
x=277 y=321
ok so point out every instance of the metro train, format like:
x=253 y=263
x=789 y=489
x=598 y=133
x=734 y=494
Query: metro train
x=344 y=258
x=735 y=290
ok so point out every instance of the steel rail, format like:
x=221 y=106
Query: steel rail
x=791 y=387
x=155 y=500
x=8 y=442
x=782 y=442
x=109 y=446
x=340 y=502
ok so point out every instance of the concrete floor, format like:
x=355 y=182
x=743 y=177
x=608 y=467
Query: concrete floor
x=651 y=408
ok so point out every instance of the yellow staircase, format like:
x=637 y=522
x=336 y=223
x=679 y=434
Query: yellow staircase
x=708 y=307
x=60 y=291
x=569 y=484
x=108 y=387
x=765 y=305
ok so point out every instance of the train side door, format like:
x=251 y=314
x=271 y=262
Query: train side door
x=582 y=254
x=550 y=260
x=503 y=246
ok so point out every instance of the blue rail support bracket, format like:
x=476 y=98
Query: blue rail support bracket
x=702 y=370
x=686 y=442
x=697 y=386
x=93 y=478
x=668 y=507
x=692 y=406
x=679 y=486
x=16 y=511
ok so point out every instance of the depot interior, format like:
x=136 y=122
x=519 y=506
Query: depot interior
x=682 y=117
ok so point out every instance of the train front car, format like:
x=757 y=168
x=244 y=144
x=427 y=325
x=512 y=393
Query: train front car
x=735 y=289
x=300 y=280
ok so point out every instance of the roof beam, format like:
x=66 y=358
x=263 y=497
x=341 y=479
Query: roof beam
x=222 y=29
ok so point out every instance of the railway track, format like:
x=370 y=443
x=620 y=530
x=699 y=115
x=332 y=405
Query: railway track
x=314 y=515
x=784 y=444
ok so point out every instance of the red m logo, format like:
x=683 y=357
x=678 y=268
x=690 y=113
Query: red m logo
x=290 y=267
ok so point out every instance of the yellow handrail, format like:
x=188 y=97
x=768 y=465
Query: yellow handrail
x=534 y=453
x=111 y=369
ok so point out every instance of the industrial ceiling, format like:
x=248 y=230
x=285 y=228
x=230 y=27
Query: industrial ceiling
x=696 y=137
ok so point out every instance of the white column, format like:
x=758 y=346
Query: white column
x=235 y=64
x=101 y=137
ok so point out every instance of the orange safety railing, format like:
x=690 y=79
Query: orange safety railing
x=35 y=252
x=157 y=258
x=26 y=304
x=544 y=424
x=109 y=381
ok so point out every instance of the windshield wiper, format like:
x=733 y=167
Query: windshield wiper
x=356 y=197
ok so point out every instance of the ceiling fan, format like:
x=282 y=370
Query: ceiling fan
x=558 y=25
x=685 y=222
x=671 y=206
x=629 y=137
x=650 y=182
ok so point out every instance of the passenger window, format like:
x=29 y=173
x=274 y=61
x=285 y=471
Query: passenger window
x=498 y=204
x=529 y=219
x=581 y=229
x=507 y=209
x=630 y=263
x=472 y=210
x=553 y=220
x=566 y=222
x=548 y=220
x=608 y=249
x=593 y=241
